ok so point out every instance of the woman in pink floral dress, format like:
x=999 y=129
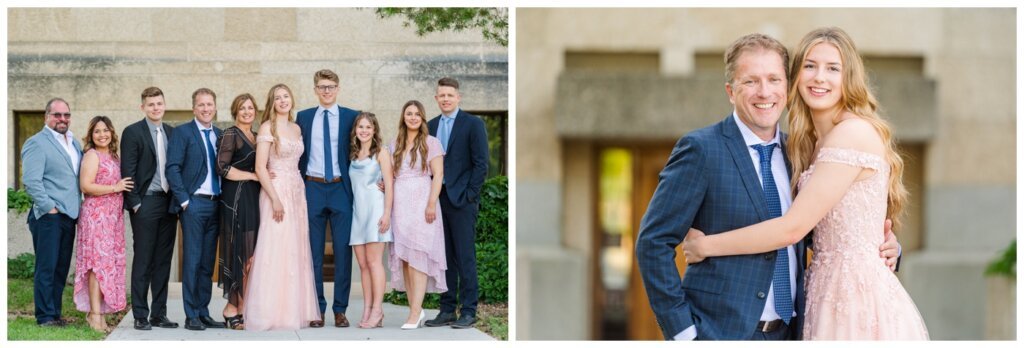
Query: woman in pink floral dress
x=100 y=265
x=417 y=255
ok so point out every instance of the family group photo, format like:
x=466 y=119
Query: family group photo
x=766 y=174
x=299 y=181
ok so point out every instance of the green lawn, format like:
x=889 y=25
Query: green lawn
x=21 y=323
x=492 y=319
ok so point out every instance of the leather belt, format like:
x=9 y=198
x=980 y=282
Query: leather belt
x=322 y=180
x=210 y=197
x=157 y=193
x=769 y=326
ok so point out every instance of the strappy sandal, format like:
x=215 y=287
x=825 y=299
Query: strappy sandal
x=235 y=322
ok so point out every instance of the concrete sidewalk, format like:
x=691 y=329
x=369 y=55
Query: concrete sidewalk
x=394 y=317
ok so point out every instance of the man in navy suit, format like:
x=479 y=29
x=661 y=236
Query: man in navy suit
x=195 y=188
x=464 y=139
x=324 y=166
x=713 y=182
x=50 y=162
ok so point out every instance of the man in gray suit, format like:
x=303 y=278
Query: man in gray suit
x=50 y=161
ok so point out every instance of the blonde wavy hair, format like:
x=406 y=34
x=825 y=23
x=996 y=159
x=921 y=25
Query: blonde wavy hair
x=856 y=98
x=268 y=113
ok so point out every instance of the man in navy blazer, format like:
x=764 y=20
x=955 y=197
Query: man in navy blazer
x=195 y=189
x=324 y=168
x=50 y=161
x=464 y=139
x=713 y=182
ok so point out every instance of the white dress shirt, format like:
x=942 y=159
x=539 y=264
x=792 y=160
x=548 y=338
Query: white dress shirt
x=67 y=141
x=315 y=167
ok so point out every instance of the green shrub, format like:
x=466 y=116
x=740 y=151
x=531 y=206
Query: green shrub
x=21 y=267
x=18 y=200
x=430 y=301
x=1005 y=264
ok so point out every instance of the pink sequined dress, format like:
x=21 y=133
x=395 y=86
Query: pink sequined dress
x=280 y=293
x=100 y=242
x=415 y=241
x=851 y=294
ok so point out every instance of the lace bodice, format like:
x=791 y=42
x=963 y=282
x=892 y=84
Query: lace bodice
x=283 y=158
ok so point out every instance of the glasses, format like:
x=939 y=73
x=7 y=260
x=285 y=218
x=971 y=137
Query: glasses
x=66 y=115
x=327 y=88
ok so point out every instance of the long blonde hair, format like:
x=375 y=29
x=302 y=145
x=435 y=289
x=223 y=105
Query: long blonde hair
x=269 y=112
x=419 y=144
x=856 y=98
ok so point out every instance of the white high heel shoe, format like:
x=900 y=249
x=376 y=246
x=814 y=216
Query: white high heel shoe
x=419 y=322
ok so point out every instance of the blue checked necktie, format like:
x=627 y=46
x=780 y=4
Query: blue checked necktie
x=212 y=155
x=328 y=163
x=780 y=277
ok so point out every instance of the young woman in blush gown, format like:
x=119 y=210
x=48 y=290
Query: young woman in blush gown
x=849 y=178
x=417 y=255
x=280 y=293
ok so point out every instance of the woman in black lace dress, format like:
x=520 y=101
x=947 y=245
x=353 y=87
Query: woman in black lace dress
x=239 y=210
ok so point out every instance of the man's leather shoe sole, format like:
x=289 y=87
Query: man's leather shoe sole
x=142 y=324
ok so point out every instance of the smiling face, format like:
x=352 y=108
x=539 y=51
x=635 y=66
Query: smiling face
x=758 y=91
x=364 y=130
x=447 y=98
x=820 y=81
x=282 y=101
x=101 y=135
x=205 y=108
x=246 y=113
x=154 y=108
x=59 y=118
x=413 y=117
x=326 y=91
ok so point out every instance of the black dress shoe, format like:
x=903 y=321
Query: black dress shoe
x=465 y=321
x=53 y=323
x=163 y=322
x=442 y=319
x=194 y=324
x=142 y=324
x=210 y=323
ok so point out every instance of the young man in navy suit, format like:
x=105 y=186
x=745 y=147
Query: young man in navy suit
x=713 y=182
x=191 y=156
x=464 y=139
x=324 y=168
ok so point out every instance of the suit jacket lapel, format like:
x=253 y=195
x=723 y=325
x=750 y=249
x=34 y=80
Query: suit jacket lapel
x=149 y=145
x=741 y=157
x=60 y=148
x=459 y=119
x=198 y=135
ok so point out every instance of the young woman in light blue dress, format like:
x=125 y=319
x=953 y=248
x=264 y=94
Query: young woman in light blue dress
x=371 y=213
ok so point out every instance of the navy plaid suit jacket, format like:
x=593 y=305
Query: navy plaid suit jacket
x=710 y=184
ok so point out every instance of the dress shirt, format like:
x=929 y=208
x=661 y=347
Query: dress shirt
x=315 y=167
x=67 y=141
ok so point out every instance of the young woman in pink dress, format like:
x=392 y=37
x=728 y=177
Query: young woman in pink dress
x=100 y=262
x=280 y=293
x=849 y=177
x=417 y=255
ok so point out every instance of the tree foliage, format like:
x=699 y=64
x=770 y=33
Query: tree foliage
x=492 y=21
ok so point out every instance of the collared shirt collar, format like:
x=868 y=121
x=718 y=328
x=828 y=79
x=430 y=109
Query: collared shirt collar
x=453 y=115
x=332 y=110
x=200 y=125
x=154 y=127
x=748 y=135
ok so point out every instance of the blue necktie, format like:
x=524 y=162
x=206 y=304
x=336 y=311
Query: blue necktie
x=444 y=132
x=211 y=154
x=328 y=159
x=780 y=277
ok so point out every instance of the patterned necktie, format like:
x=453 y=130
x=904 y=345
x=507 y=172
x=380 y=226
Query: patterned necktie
x=444 y=132
x=211 y=154
x=328 y=158
x=780 y=277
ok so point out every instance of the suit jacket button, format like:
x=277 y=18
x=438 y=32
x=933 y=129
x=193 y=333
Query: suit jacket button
x=760 y=294
x=768 y=256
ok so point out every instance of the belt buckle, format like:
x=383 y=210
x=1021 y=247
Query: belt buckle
x=769 y=326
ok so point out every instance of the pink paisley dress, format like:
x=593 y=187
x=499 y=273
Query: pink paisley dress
x=851 y=294
x=100 y=242
x=416 y=242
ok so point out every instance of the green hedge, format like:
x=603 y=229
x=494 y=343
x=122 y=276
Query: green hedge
x=1006 y=264
x=21 y=267
x=18 y=200
x=491 y=248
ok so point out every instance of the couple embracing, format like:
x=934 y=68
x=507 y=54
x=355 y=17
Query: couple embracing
x=745 y=197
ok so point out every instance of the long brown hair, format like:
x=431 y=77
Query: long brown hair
x=419 y=145
x=268 y=113
x=856 y=98
x=354 y=143
x=87 y=139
